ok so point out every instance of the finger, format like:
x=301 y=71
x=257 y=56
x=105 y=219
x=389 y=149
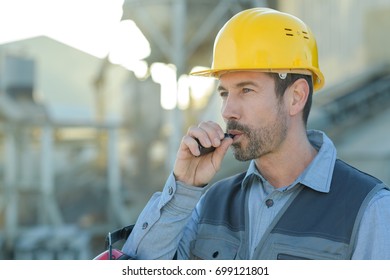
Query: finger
x=201 y=135
x=225 y=144
x=206 y=150
x=214 y=132
x=192 y=145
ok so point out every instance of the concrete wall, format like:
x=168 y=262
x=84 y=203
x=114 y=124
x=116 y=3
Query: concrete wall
x=351 y=34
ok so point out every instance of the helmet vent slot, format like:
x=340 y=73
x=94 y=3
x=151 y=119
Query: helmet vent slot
x=289 y=32
x=305 y=35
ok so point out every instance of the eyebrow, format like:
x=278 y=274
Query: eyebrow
x=239 y=85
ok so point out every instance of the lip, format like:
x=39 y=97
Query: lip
x=235 y=133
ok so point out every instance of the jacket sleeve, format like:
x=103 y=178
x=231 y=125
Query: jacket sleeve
x=160 y=226
x=373 y=240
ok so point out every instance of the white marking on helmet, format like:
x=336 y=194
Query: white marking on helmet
x=283 y=76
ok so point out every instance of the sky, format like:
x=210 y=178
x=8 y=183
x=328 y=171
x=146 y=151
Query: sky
x=93 y=26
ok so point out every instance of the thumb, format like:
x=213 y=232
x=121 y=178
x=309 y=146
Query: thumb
x=223 y=148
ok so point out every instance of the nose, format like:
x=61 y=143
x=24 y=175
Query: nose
x=230 y=108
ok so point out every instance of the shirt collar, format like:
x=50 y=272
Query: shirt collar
x=318 y=173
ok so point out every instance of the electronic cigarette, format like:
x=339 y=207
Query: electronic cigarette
x=204 y=150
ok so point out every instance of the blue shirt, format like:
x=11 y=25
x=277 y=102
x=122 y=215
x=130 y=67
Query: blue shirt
x=169 y=220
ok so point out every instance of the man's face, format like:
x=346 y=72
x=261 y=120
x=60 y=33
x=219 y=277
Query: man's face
x=253 y=113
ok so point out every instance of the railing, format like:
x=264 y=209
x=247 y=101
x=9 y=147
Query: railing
x=30 y=167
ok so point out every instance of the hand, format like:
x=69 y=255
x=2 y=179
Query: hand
x=193 y=169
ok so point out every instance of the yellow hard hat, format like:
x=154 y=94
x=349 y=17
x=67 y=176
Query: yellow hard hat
x=263 y=39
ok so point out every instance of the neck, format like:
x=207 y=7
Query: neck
x=281 y=168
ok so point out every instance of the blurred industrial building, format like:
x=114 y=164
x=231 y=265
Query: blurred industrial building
x=84 y=141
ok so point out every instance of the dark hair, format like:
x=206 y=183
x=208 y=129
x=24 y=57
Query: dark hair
x=282 y=84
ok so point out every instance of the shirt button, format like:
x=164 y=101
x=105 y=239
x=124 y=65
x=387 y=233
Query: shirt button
x=145 y=225
x=170 y=190
x=269 y=203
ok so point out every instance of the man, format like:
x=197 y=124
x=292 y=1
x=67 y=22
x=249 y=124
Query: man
x=296 y=200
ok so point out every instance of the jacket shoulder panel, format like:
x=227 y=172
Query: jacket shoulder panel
x=329 y=215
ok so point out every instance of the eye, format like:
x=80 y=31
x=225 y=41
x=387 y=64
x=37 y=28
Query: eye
x=246 y=90
x=223 y=94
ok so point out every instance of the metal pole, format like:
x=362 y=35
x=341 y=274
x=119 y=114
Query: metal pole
x=178 y=57
x=49 y=205
x=11 y=192
x=113 y=166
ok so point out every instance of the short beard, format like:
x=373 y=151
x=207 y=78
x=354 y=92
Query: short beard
x=261 y=141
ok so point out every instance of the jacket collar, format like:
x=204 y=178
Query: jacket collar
x=317 y=175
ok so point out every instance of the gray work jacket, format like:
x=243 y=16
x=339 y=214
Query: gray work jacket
x=312 y=225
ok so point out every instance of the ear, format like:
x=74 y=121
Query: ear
x=299 y=92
